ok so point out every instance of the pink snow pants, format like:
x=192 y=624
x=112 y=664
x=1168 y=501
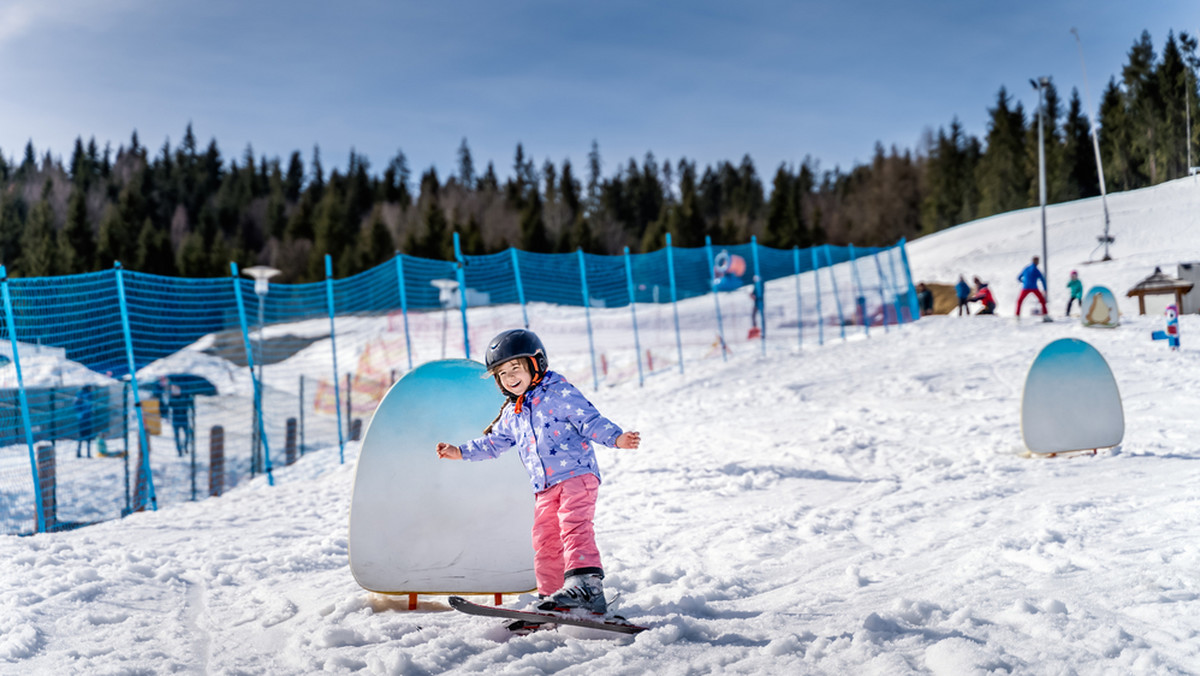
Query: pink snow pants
x=563 y=536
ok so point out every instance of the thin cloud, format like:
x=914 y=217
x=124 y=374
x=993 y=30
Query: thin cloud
x=22 y=18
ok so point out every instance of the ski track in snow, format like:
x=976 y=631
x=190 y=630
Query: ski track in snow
x=858 y=507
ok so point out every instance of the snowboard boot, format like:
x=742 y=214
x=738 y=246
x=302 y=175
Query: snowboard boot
x=582 y=589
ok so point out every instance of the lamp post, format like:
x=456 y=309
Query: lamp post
x=261 y=274
x=1040 y=84
x=1105 y=239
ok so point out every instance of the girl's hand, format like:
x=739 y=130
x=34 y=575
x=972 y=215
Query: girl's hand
x=629 y=440
x=448 y=452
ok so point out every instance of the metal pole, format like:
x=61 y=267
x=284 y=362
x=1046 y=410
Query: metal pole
x=799 y=306
x=259 y=391
x=520 y=287
x=399 y=258
x=137 y=403
x=10 y=324
x=860 y=298
x=761 y=310
x=716 y=296
x=674 y=301
x=462 y=295
x=1039 y=84
x=1095 y=146
x=259 y=427
x=587 y=313
x=816 y=266
x=637 y=344
x=337 y=388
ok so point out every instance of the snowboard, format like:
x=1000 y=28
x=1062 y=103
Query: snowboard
x=1099 y=309
x=616 y=624
x=423 y=525
x=1071 y=402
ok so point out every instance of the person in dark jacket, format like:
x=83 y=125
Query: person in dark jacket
x=924 y=299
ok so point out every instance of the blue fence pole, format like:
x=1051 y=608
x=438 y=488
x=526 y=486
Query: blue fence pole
x=837 y=298
x=337 y=388
x=637 y=344
x=137 y=402
x=912 y=291
x=520 y=287
x=399 y=258
x=716 y=296
x=860 y=298
x=883 y=284
x=258 y=399
x=895 y=286
x=761 y=304
x=799 y=306
x=674 y=300
x=11 y=324
x=587 y=313
x=461 y=274
x=817 y=282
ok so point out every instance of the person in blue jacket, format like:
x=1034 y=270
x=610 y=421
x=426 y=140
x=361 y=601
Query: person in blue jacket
x=552 y=426
x=1030 y=277
x=963 y=291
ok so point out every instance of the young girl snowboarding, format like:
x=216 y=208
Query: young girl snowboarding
x=552 y=426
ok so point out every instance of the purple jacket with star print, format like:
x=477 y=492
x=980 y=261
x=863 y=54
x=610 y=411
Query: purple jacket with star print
x=553 y=433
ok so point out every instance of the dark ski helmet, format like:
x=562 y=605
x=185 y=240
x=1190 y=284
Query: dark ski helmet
x=513 y=344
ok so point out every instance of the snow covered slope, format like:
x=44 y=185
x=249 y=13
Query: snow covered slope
x=853 y=508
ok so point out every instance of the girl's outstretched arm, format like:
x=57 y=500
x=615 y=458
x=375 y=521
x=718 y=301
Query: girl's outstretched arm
x=447 y=451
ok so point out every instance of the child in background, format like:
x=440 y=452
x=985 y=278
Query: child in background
x=1076 y=288
x=552 y=426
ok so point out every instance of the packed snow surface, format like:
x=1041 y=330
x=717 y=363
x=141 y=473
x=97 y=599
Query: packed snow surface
x=860 y=507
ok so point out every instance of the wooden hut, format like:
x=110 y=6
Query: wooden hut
x=1159 y=284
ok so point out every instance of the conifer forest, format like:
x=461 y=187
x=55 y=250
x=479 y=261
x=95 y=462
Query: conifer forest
x=187 y=209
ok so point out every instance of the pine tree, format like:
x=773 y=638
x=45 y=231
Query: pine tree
x=376 y=245
x=1002 y=174
x=38 y=248
x=328 y=225
x=1188 y=45
x=785 y=223
x=533 y=227
x=153 y=253
x=396 y=182
x=114 y=241
x=78 y=245
x=12 y=224
x=1116 y=143
x=1143 y=101
x=293 y=182
x=192 y=260
x=1079 y=157
x=466 y=167
x=28 y=166
x=1172 y=84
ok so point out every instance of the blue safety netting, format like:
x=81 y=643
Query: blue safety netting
x=142 y=390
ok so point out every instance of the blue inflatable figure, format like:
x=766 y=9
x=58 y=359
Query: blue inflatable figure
x=1171 y=335
x=727 y=271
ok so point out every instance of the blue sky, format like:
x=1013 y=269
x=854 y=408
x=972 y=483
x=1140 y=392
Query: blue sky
x=705 y=80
